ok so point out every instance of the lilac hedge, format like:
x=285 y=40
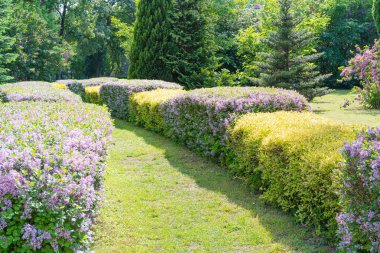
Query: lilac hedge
x=35 y=91
x=116 y=95
x=200 y=118
x=79 y=86
x=359 y=221
x=51 y=164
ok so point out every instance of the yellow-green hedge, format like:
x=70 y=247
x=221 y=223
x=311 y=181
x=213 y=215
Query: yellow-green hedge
x=145 y=110
x=291 y=157
x=92 y=95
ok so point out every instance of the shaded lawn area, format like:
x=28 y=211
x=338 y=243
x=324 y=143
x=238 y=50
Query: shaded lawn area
x=330 y=106
x=161 y=197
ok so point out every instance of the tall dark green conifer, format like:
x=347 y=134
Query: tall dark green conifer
x=192 y=56
x=287 y=65
x=376 y=14
x=151 y=40
x=6 y=42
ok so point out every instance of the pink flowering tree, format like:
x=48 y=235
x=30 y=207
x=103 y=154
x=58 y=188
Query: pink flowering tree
x=365 y=67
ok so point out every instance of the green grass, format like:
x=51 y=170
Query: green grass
x=330 y=106
x=161 y=197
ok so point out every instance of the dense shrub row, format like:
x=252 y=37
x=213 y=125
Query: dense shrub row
x=359 y=221
x=52 y=157
x=200 y=118
x=35 y=91
x=145 y=108
x=79 y=86
x=291 y=158
x=116 y=95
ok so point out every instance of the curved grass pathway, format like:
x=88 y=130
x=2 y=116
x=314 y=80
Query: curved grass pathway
x=161 y=197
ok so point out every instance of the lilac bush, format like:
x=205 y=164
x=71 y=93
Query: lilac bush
x=359 y=221
x=52 y=157
x=365 y=67
x=116 y=95
x=200 y=118
x=35 y=91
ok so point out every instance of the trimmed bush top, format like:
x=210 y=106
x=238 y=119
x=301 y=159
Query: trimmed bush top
x=145 y=85
x=35 y=91
x=88 y=82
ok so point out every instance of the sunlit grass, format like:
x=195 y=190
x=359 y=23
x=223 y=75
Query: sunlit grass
x=330 y=106
x=160 y=197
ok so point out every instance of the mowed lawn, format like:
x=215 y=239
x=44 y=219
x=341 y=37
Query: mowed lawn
x=161 y=197
x=330 y=106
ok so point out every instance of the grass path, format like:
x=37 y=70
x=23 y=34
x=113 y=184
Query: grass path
x=160 y=197
x=330 y=106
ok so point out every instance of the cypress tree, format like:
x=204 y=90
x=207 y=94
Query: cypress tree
x=6 y=42
x=376 y=14
x=151 y=40
x=287 y=65
x=192 y=58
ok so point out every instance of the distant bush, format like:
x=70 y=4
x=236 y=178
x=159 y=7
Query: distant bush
x=359 y=221
x=291 y=158
x=35 y=91
x=116 y=95
x=93 y=95
x=59 y=86
x=52 y=157
x=145 y=108
x=200 y=118
x=365 y=67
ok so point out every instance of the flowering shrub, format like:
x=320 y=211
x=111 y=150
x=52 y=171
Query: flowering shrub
x=291 y=158
x=200 y=118
x=92 y=95
x=35 y=91
x=359 y=222
x=365 y=66
x=145 y=108
x=116 y=95
x=51 y=164
x=79 y=86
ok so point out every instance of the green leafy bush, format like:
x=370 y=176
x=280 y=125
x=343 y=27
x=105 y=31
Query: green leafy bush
x=291 y=157
x=145 y=108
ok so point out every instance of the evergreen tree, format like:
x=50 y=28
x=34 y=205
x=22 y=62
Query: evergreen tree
x=287 y=65
x=151 y=40
x=376 y=14
x=6 y=42
x=192 y=56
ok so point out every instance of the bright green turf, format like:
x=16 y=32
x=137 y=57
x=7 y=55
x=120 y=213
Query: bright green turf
x=330 y=106
x=161 y=197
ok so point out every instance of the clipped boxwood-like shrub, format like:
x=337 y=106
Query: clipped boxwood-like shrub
x=92 y=95
x=35 y=91
x=116 y=95
x=145 y=108
x=52 y=157
x=200 y=118
x=291 y=158
x=359 y=221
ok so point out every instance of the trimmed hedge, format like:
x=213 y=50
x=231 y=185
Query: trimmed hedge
x=52 y=157
x=145 y=108
x=79 y=86
x=200 y=118
x=359 y=221
x=35 y=91
x=116 y=95
x=92 y=95
x=291 y=158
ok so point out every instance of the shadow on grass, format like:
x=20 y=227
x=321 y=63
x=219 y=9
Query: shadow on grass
x=212 y=177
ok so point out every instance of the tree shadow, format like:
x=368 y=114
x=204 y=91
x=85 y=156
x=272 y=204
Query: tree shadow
x=212 y=177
